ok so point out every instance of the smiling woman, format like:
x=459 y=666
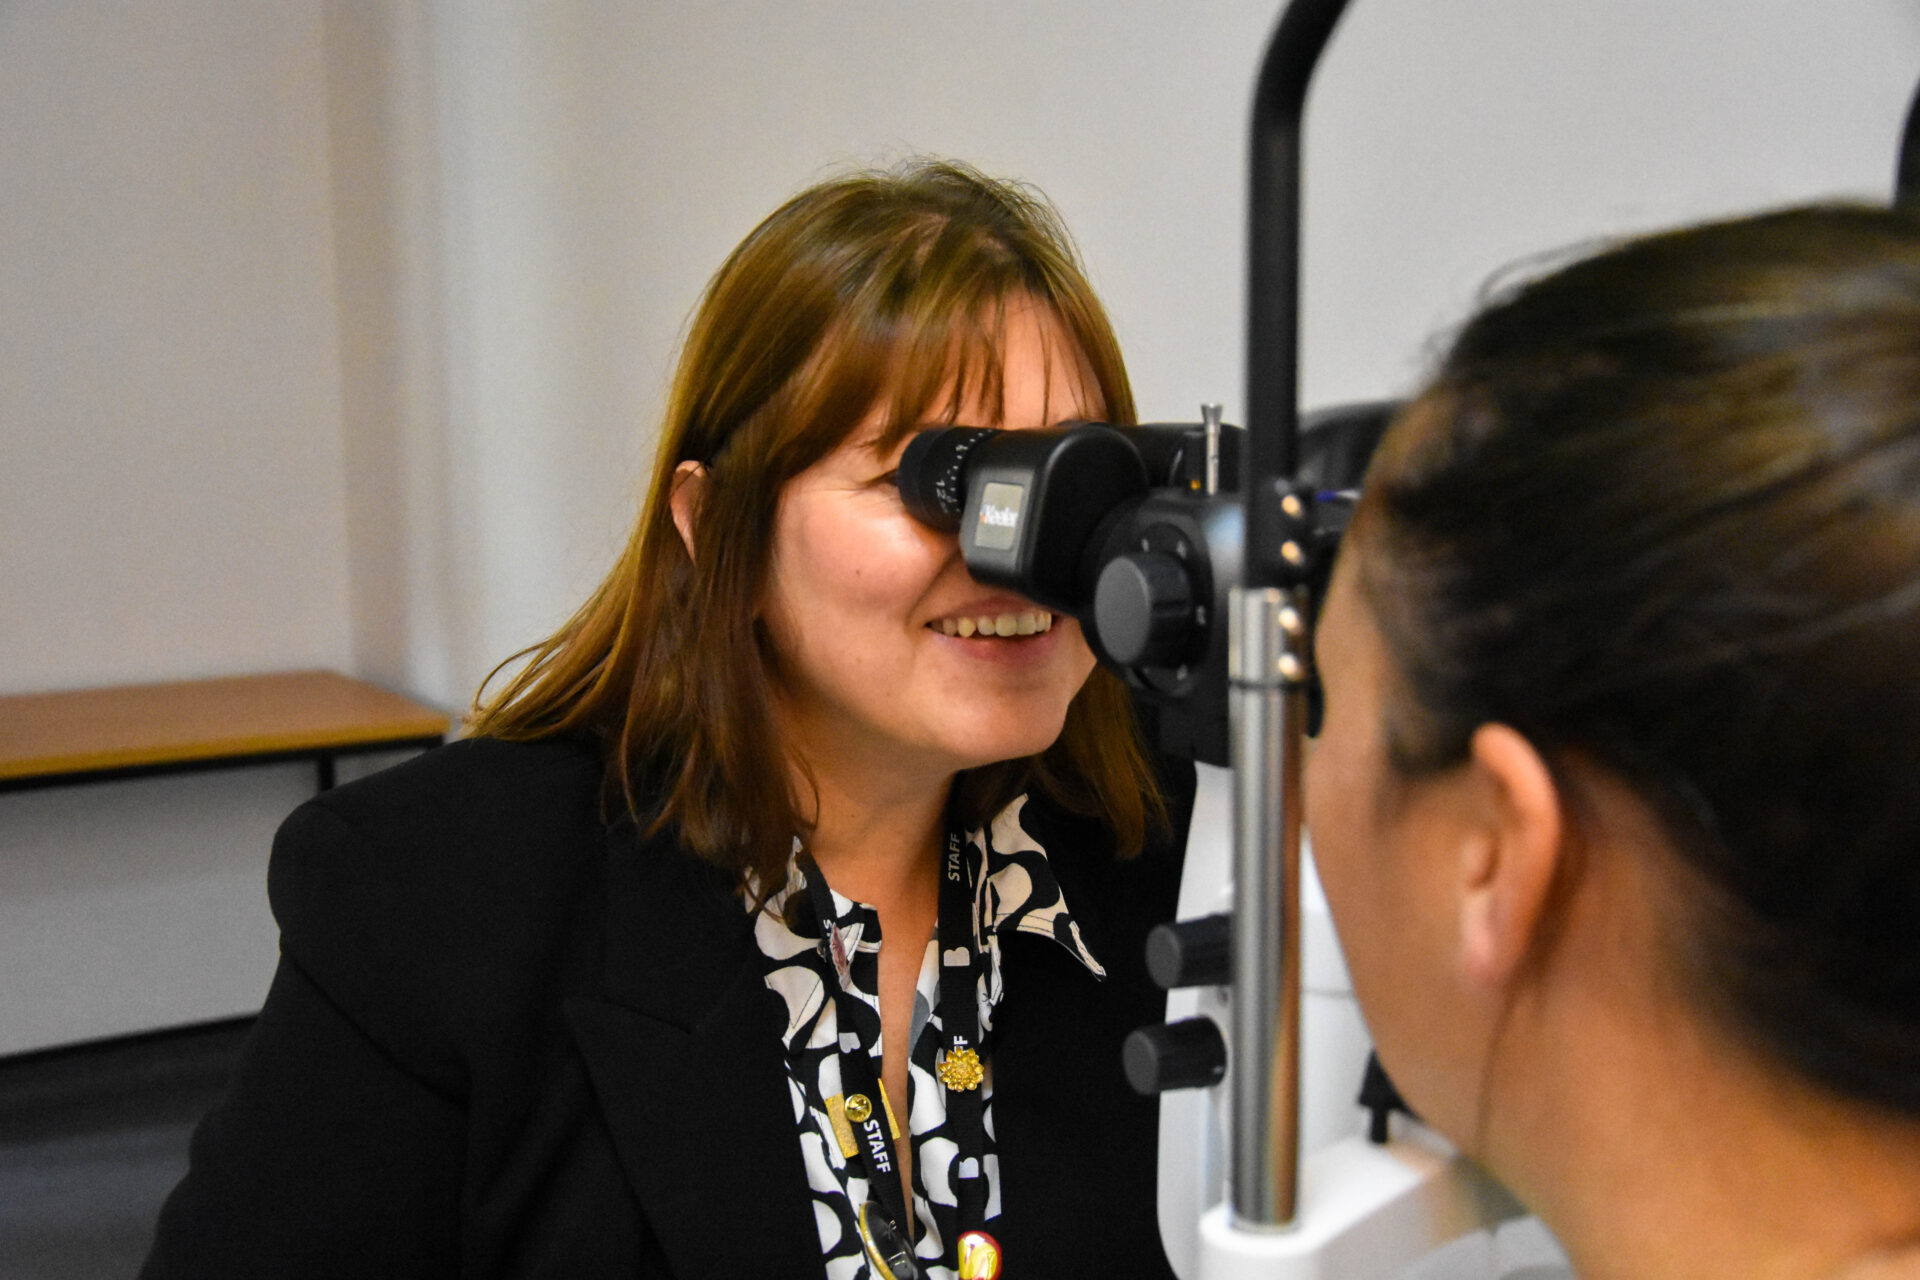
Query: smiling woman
x=799 y=881
x=859 y=312
x=866 y=606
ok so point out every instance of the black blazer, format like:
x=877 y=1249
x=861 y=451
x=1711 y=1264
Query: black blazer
x=507 y=1038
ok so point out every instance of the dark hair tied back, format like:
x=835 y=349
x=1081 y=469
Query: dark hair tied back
x=1661 y=509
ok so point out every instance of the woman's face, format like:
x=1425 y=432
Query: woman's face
x=1381 y=846
x=885 y=661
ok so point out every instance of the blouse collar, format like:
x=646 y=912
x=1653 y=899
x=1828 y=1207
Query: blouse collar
x=1015 y=892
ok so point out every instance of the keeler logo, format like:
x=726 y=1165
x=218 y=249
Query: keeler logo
x=1004 y=517
x=997 y=527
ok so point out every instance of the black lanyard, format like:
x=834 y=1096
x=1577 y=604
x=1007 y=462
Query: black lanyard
x=958 y=944
x=961 y=1068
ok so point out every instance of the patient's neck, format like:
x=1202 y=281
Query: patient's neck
x=1656 y=1146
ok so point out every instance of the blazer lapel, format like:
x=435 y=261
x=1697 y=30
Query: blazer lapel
x=683 y=1046
x=1075 y=1139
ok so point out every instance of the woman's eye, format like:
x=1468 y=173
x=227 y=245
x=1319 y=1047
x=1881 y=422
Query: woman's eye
x=886 y=481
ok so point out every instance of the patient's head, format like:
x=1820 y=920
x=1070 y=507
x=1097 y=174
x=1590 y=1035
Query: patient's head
x=1633 y=602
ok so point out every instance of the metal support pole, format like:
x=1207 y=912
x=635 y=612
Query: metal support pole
x=1267 y=669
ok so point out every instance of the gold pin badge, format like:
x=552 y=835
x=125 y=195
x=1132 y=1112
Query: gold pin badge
x=845 y=1112
x=842 y=1131
x=960 y=1070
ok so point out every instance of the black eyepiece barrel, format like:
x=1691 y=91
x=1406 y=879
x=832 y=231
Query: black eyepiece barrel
x=932 y=475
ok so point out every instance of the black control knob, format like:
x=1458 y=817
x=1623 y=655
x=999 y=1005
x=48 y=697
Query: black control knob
x=1143 y=609
x=1191 y=953
x=1189 y=1054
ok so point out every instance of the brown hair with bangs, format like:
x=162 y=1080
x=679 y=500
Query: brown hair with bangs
x=869 y=288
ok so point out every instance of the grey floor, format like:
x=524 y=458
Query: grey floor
x=91 y=1140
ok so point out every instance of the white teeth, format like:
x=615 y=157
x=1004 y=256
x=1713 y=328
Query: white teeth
x=1032 y=622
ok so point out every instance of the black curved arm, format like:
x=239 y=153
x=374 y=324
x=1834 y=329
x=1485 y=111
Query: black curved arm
x=1273 y=273
x=1906 y=181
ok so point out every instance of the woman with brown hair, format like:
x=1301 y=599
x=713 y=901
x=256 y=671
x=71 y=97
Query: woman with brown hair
x=782 y=914
x=1617 y=802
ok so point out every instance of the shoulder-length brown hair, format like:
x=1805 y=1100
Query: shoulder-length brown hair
x=878 y=287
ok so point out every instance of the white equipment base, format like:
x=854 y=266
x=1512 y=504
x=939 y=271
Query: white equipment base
x=1367 y=1212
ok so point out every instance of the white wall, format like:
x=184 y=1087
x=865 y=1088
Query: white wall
x=609 y=155
x=172 y=498
x=332 y=332
x=1449 y=140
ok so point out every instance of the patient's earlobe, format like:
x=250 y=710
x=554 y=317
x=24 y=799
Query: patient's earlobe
x=1512 y=856
x=689 y=490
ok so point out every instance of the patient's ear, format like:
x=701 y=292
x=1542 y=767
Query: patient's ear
x=1512 y=855
x=689 y=490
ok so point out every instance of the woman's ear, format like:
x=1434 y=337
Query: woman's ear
x=1512 y=857
x=689 y=489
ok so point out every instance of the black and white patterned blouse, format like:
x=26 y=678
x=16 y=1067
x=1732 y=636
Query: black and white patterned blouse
x=1017 y=892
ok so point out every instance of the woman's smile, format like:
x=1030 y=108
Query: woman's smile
x=1006 y=638
x=988 y=626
